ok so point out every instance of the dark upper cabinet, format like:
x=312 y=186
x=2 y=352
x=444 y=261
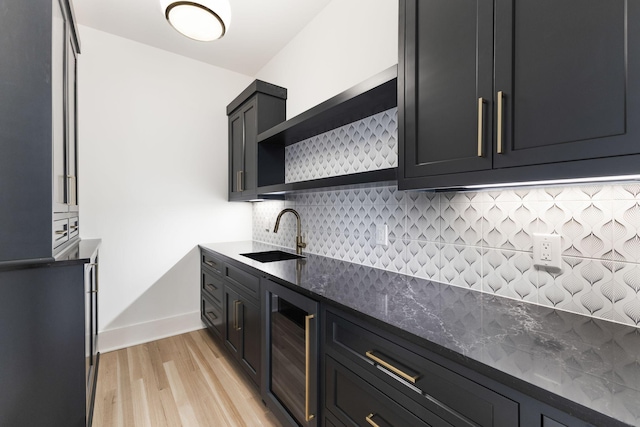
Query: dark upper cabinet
x=447 y=69
x=258 y=108
x=498 y=90
x=38 y=137
x=562 y=71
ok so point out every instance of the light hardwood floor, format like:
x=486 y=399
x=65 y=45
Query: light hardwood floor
x=187 y=380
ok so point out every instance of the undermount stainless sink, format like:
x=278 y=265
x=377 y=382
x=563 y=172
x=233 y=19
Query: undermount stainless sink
x=271 y=256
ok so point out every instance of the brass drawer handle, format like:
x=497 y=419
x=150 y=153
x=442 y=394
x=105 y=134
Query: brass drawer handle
x=369 y=419
x=209 y=285
x=411 y=378
x=211 y=315
x=210 y=263
x=307 y=366
x=61 y=232
x=237 y=303
x=480 y=127
x=500 y=124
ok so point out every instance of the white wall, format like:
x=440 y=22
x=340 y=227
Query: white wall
x=348 y=42
x=153 y=180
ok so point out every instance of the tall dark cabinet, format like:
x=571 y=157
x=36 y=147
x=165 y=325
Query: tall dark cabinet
x=498 y=90
x=258 y=108
x=38 y=129
x=48 y=276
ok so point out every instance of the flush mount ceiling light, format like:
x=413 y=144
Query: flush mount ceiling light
x=202 y=20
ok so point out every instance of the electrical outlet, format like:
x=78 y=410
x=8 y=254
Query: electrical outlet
x=382 y=234
x=547 y=250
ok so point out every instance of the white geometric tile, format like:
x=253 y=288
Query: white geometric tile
x=626 y=230
x=461 y=266
x=392 y=256
x=422 y=219
x=510 y=274
x=625 y=292
x=423 y=259
x=583 y=192
x=581 y=286
x=510 y=225
x=518 y=194
x=626 y=191
x=583 y=226
x=461 y=223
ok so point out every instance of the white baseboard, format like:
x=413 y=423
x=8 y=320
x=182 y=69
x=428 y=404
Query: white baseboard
x=140 y=333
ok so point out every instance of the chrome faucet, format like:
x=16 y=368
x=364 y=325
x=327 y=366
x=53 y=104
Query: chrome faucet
x=299 y=243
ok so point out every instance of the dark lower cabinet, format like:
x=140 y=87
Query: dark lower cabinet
x=48 y=334
x=319 y=365
x=437 y=394
x=356 y=402
x=230 y=309
x=242 y=331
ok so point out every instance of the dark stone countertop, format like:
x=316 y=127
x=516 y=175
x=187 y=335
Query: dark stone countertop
x=589 y=362
x=81 y=252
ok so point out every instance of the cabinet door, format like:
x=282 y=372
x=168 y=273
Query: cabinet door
x=445 y=75
x=58 y=127
x=236 y=153
x=232 y=329
x=242 y=146
x=250 y=354
x=72 y=141
x=568 y=74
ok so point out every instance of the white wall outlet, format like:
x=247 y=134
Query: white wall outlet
x=547 y=250
x=382 y=234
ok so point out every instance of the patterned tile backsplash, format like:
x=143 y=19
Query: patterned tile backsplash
x=368 y=144
x=479 y=240
x=483 y=240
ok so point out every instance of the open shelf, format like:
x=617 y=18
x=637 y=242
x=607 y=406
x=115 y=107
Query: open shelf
x=374 y=95
x=371 y=177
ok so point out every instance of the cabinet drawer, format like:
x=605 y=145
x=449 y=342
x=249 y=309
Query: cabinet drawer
x=247 y=284
x=440 y=389
x=211 y=284
x=60 y=232
x=356 y=402
x=212 y=263
x=211 y=314
x=74 y=227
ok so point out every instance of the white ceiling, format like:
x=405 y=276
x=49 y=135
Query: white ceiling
x=259 y=29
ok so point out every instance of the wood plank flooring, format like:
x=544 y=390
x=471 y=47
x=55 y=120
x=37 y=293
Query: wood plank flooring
x=182 y=381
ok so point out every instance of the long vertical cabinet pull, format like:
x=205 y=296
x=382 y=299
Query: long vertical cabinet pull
x=239 y=181
x=307 y=354
x=480 y=127
x=236 y=320
x=500 y=148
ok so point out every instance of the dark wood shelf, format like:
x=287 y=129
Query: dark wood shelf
x=374 y=95
x=370 y=177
